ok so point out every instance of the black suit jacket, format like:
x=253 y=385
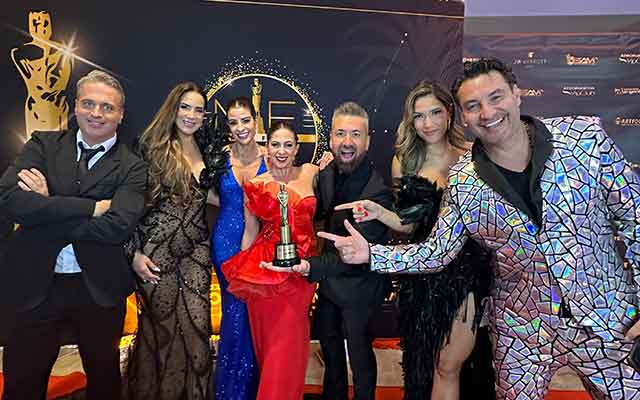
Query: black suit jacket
x=47 y=224
x=349 y=285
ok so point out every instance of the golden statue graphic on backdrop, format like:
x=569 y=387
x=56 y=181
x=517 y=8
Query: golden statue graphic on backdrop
x=45 y=69
x=256 y=97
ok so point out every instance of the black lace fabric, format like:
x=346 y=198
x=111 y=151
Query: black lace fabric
x=171 y=357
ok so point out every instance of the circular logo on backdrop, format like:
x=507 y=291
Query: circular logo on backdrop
x=277 y=96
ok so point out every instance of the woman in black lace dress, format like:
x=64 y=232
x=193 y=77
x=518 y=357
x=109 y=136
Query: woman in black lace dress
x=171 y=356
x=439 y=313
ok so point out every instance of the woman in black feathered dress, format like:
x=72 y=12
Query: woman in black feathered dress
x=439 y=313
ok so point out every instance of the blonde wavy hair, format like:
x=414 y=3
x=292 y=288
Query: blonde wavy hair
x=411 y=150
x=169 y=172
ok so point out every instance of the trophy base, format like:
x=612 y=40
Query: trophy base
x=286 y=255
x=286 y=263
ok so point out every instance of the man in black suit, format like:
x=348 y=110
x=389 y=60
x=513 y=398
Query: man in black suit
x=347 y=297
x=77 y=197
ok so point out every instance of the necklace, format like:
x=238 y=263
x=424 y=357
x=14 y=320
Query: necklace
x=250 y=162
x=508 y=158
x=284 y=175
x=527 y=132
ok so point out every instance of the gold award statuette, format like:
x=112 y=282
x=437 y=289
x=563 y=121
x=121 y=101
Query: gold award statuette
x=286 y=252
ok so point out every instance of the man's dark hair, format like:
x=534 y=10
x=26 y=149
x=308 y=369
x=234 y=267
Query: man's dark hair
x=473 y=69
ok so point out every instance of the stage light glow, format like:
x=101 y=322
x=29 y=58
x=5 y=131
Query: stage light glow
x=67 y=49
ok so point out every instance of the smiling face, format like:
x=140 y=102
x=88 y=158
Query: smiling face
x=490 y=107
x=190 y=113
x=242 y=125
x=282 y=148
x=99 y=111
x=430 y=119
x=349 y=141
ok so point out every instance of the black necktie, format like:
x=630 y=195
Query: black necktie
x=86 y=155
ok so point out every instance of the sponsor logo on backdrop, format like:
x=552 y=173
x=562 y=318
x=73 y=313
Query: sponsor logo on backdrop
x=530 y=59
x=45 y=67
x=573 y=59
x=629 y=58
x=579 y=91
x=529 y=92
x=276 y=95
x=628 y=121
x=626 y=91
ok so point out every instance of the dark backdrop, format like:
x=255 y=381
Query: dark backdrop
x=368 y=51
x=309 y=57
x=587 y=65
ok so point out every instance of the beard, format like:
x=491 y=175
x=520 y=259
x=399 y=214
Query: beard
x=347 y=167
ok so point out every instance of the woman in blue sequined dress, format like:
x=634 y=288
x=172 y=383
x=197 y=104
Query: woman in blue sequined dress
x=236 y=376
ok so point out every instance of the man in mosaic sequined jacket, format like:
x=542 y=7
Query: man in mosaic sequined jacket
x=543 y=195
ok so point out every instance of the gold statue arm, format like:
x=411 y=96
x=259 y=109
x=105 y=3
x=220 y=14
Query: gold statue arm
x=21 y=65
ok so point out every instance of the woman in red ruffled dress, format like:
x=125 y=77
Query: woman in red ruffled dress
x=278 y=302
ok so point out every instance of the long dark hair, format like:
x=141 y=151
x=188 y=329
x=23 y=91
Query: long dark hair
x=169 y=171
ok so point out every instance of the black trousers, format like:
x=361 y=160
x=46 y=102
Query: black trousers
x=333 y=324
x=34 y=342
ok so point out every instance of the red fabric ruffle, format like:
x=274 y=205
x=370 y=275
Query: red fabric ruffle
x=243 y=271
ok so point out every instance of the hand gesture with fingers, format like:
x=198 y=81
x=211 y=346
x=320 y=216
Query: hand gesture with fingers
x=145 y=268
x=353 y=249
x=363 y=210
x=326 y=158
x=32 y=180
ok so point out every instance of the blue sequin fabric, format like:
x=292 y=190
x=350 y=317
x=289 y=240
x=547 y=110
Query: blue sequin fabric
x=236 y=374
x=570 y=258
